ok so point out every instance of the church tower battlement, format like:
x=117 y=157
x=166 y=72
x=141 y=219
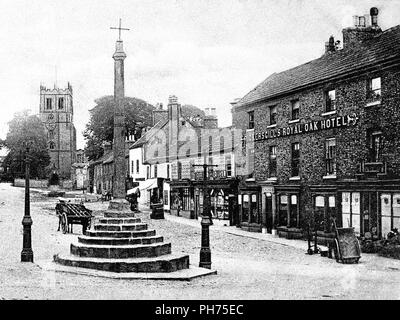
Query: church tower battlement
x=56 y=112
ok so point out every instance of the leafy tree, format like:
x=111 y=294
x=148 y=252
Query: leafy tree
x=26 y=131
x=191 y=111
x=100 y=127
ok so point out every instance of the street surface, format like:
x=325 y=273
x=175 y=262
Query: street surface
x=247 y=268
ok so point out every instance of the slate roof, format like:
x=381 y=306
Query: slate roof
x=146 y=137
x=381 y=47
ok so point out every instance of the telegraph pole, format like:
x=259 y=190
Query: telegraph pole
x=205 y=251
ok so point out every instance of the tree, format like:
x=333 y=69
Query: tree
x=24 y=131
x=100 y=127
x=189 y=111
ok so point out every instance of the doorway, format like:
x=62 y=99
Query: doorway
x=268 y=211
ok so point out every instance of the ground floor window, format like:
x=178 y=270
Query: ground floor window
x=351 y=210
x=181 y=199
x=248 y=203
x=371 y=213
x=324 y=211
x=219 y=204
x=165 y=197
x=288 y=210
x=390 y=212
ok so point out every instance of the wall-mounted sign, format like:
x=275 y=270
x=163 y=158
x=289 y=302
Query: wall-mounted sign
x=329 y=123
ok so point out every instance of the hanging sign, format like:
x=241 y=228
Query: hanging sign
x=329 y=123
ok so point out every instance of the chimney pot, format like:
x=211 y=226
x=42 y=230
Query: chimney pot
x=173 y=99
x=330 y=45
x=374 y=16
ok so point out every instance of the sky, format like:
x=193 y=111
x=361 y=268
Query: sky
x=206 y=52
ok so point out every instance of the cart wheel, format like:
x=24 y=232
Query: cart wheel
x=64 y=223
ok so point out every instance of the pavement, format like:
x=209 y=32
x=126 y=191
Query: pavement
x=298 y=244
x=250 y=266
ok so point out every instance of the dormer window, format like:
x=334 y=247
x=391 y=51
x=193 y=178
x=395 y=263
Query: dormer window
x=374 y=89
x=330 y=100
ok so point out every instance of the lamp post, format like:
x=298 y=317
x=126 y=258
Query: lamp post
x=27 y=253
x=205 y=251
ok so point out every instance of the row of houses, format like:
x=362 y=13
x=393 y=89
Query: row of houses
x=312 y=143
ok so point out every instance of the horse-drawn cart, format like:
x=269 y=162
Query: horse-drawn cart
x=71 y=213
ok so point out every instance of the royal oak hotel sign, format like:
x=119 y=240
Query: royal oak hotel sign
x=312 y=126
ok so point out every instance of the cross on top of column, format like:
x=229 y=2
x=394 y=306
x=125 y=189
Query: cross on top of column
x=119 y=29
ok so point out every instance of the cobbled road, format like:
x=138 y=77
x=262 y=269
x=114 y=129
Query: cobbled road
x=247 y=268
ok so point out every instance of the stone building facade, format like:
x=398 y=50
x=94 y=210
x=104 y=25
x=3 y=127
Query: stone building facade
x=56 y=112
x=325 y=137
x=180 y=143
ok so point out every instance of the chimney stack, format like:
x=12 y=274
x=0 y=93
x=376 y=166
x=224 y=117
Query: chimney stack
x=159 y=114
x=210 y=119
x=330 y=45
x=362 y=29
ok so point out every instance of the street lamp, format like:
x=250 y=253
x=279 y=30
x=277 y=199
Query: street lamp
x=27 y=253
x=205 y=251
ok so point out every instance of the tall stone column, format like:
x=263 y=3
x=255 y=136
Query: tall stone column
x=119 y=56
x=119 y=203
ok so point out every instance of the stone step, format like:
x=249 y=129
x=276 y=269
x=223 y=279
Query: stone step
x=119 y=241
x=166 y=263
x=118 y=214
x=119 y=220
x=121 y=234
x=120 y=227
x=115 y=252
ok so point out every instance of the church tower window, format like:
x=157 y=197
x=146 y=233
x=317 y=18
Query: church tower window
x=49 y=103
x=60 y=103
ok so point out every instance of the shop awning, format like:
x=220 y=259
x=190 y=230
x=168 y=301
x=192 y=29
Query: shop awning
x=148 y=184
x=132 y=191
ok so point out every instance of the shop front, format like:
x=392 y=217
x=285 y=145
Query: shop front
x=372 y=209
x=325 y=209
x=182 y=199
x=249 y=201
x=288 y=221
x=223 y=198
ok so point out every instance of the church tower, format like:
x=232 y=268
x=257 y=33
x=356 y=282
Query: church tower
x=56 y=112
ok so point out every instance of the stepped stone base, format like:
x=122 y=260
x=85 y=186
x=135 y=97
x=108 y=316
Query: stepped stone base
x=180 y=275
x=121 y=243
x=121 y=234
x=168 y=263
x=120 y=251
